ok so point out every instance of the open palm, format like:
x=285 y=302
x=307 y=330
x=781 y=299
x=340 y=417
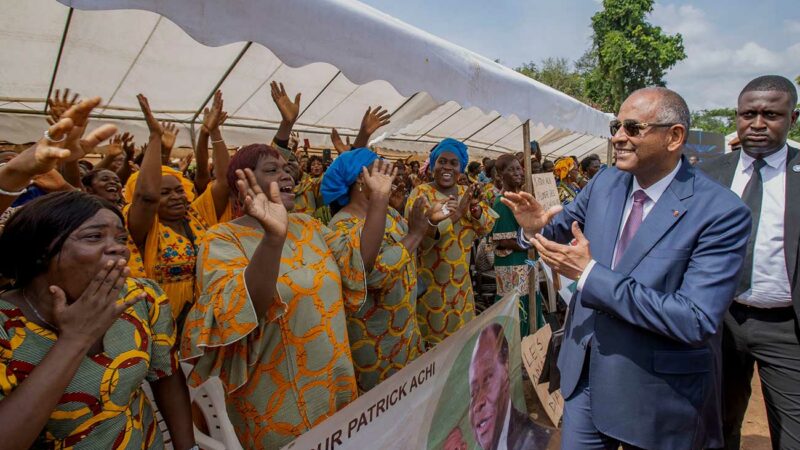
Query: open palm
x=530 y=214
x=268 y=210
x=380 y=180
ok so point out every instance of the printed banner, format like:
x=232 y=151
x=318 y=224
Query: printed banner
x=466 y=393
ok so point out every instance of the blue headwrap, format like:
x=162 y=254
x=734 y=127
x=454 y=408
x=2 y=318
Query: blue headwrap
x=342 y=173
x=453 y=146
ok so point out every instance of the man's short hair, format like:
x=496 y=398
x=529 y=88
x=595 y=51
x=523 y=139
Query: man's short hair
x=586 y=162
x=768 y=83
x=673 y=108
x=497 y=331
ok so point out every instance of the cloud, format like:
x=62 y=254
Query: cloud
x=717 y=66
x=792 y=26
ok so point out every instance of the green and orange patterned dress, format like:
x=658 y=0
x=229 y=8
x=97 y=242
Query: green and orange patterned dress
x=104 y=406
x=383 y=330
x=289 y=370
x=443 y=264
x=307 y=196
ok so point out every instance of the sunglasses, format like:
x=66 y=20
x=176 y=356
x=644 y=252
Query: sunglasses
x=632 y=127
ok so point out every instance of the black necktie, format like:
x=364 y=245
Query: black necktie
x=751 y=196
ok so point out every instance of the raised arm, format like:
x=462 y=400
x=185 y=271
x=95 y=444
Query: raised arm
x=128 y=147
x=379 y=182
x=289 y=110
x=261 y=274
x=147 y=195
x=169 y=135
x=338 y=145
x=373 y=119
x=213 y=118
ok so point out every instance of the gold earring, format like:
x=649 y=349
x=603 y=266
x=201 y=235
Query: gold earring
x=359 y=187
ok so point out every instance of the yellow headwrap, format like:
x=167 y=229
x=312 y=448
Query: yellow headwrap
x=130 y=186
x=562 y=167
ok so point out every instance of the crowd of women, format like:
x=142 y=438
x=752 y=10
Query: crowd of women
x=300 y=282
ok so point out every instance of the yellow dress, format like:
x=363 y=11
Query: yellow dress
x=443 y=264
x=104 y=406
x=169 y=258
x=307 y=196
x=383 y=330
x=289 y=370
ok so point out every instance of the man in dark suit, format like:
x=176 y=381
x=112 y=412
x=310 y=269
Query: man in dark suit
x=657 y=254
x=762 y=323
x=495 y=422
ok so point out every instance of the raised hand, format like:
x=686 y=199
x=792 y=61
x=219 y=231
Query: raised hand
x=338 y=145
x=289 y=110
x=170 y=134
x=45 y=155
x=214 y=117
x=568 y=260
x=152 y=123
x=379 y=180
x=114 y=147
x=294 y=141
x=79 y=113
x=529 y=213
x=183 y=166
x=267 y=210
x=128 y=146
x=86 y=320
x=58 y=105
x=374 y=119
x=463 y=204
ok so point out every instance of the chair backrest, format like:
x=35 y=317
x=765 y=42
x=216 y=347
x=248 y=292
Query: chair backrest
x=210 y=398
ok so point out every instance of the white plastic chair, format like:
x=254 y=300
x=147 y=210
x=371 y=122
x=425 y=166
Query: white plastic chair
x=210 y=397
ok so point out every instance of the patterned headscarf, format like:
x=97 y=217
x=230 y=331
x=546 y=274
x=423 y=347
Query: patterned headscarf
x=562 y=167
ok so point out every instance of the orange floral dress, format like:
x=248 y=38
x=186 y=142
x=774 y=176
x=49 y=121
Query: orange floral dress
x=289 y=370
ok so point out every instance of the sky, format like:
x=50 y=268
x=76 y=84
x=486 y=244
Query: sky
x=727 y=42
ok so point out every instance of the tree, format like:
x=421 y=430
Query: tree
x=722 y=120
x=557 y=73
x=627 y=52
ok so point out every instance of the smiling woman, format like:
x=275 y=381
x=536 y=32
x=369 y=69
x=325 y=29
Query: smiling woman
x=443 y=260
x=166 y=221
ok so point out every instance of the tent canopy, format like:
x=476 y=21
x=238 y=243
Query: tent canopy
x=342 y=56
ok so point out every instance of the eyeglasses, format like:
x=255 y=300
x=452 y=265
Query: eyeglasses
x=632 y=127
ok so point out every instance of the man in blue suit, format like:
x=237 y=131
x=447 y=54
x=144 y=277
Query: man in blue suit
x=657 y=251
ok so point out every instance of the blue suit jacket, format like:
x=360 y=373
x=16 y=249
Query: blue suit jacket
x=653 y=323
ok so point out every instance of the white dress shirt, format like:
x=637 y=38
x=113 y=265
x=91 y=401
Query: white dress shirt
x=770 y=282
x=654 y=192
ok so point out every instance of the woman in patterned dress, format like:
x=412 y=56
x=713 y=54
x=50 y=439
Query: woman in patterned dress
x=443 y=263
x=78 y=336
x=383 y=331
x=270 y=316
x=166 y=221
x=307 y=196
x=511 y=271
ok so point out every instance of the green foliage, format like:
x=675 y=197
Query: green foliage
x=627 y=52
x=557 y=73
x=722 y=120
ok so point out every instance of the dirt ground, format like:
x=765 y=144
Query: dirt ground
x=755 y=431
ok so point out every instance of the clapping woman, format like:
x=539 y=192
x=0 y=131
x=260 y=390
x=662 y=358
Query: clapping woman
x=383 y=330
x=443 y=263
x=270 y=316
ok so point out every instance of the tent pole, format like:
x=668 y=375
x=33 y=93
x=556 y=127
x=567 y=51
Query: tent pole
x=532 y=285
x=609 y=153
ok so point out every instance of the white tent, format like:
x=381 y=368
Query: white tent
x=342 y=55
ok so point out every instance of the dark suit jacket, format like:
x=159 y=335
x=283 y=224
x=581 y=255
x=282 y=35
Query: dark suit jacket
x=723 y=169
x=653 y=324
x=524 y=434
